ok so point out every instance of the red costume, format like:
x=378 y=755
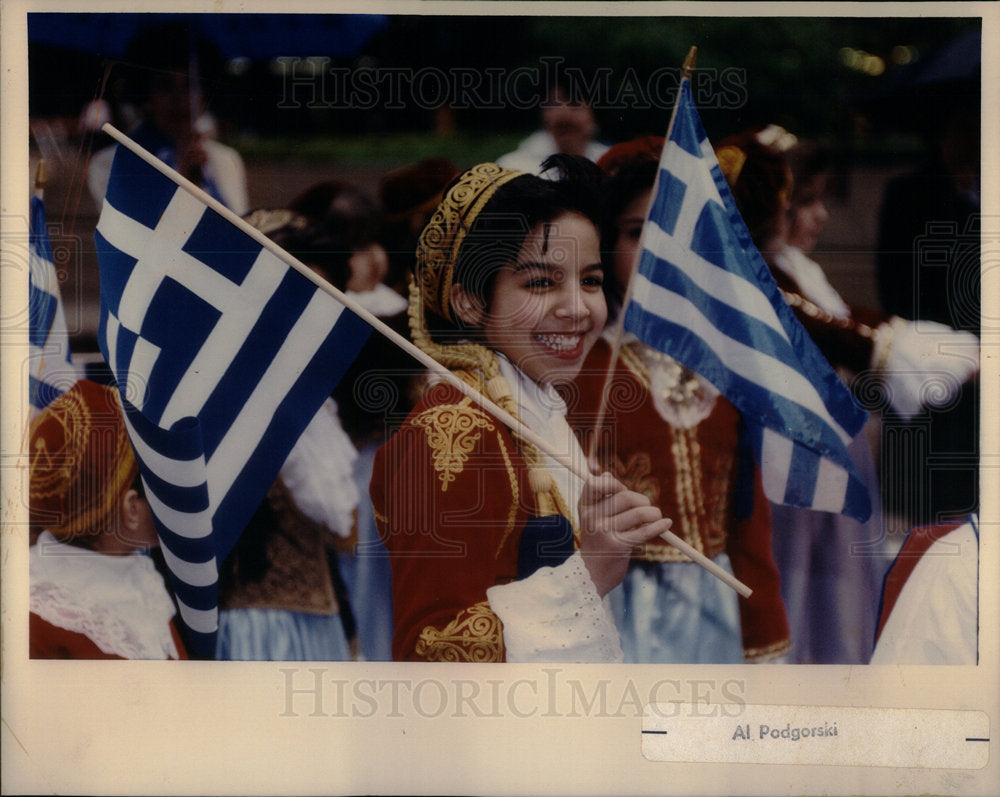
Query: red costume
x=48 y=641
x=693 y=475
x=451 y=495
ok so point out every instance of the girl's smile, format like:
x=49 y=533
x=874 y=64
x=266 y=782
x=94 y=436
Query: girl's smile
x=547 y=308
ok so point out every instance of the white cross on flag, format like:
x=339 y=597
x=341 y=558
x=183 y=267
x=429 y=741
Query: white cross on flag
x=705 y=296
x=222 y=354
x=52 y=370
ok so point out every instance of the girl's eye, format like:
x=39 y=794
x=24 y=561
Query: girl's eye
x=540 y=282
x=632 y=233
x=593 y=281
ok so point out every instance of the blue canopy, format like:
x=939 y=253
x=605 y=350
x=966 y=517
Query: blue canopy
x=234 y=35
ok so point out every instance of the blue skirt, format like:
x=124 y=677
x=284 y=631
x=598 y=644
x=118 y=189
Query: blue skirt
x=679 y=613
x=279 y=635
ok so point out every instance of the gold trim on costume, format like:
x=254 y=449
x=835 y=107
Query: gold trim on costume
x=442 y=237
x=636 y=474
x=635 y=364
x=476 y=635
x=690 y=500
x=51 y=473
x=731 y=159
x=452 y=432
x=768 y=651
x=474 y=363
x=515 y=493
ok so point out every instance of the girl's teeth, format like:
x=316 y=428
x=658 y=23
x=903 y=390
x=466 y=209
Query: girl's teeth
x=559 y=342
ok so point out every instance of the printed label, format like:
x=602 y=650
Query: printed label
x=859 y=736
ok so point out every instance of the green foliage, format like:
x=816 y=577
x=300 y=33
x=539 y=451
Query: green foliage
x=381 y=150
x=792 y=66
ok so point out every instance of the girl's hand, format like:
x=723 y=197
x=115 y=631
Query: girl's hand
x=613 y=520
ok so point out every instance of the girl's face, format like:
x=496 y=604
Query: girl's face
x=628 y=228
x=548 y=306
x=809 y=215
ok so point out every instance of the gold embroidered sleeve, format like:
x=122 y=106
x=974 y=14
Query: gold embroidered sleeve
x=452 y=433
x=475 y=635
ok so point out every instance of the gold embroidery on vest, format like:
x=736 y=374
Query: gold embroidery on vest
x=476 y=634
x=701 y=519
x=636 y=474
x=771 y=651
x=452 y=432
x=515 y=496
x=721 y=512
x=635 y=364
x=690 y=501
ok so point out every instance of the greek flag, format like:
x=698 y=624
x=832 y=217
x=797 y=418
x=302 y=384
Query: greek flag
x=222 y=354
x=705 y=296
x=51 y=368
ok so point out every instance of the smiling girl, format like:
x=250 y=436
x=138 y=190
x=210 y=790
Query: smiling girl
x=498 y=553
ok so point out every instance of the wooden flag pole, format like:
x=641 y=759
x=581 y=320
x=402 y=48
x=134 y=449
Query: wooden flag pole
x=618 y=330
x=408 y=346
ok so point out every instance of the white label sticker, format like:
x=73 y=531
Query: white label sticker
x=876 y=737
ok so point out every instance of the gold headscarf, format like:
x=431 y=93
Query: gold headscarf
x=441 y=240
x=81 y=462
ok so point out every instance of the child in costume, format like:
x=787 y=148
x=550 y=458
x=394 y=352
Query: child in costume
x=669 y=434
x=498 y=553
x=93 y=593
x=831 y=564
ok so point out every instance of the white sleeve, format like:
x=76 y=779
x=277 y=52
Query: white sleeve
x=924 y=363
x=99 y=172
x=319 y=472
x=230 y=176
x=935 y=619
x=556 y=615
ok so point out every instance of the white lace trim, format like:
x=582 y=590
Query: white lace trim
x=119 y=602
x=380 y=301
x=556 y=615
x=543 y=411
x=319 y=472
x=926 y=363
x=681 y=397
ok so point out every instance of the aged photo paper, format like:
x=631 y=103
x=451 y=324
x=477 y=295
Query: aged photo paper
x=208 y=727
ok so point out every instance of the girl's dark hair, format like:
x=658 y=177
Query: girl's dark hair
x=343 y=209
x=762 y=188
x=631 y=180
x=808 y=159
x=316 y=245
x=517 y=207
x=319 y=248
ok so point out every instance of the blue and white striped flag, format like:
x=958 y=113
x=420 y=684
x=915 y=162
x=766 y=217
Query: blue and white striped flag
x=52 y=371
x=222 y=354
x=705 y=296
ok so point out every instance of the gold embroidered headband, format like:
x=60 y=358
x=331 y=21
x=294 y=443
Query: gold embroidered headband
x=731 y=159
x=441 y=240
x=81 y=462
